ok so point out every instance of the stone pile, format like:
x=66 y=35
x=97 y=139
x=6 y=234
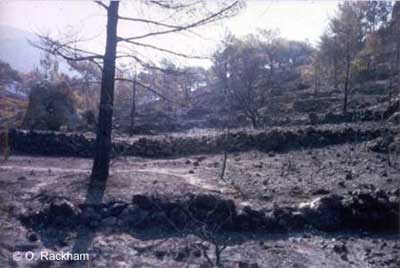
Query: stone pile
x=369 y=210
x=276 y=139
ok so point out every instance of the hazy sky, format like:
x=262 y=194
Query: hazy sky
x=299 y=20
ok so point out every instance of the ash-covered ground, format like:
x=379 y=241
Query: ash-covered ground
x=125 y=230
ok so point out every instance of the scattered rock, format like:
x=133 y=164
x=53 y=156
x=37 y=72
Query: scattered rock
x=110 y=221
x=349 y=176
x=260 y=165
x=116 y=209
x=320 y=192
x=182 y=254
x=134 y=217
x=363 y=209
x=381 y=144
x=22 y=178
x=32 y=236
x=160 y=254
x=242 y=264
x=142 y=201
x=201 y=158
x=323 y=212
x=341 y=250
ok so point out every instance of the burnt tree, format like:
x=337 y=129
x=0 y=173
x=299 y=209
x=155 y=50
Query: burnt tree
x=101 y=164
x=107 y=62
x=133 y=107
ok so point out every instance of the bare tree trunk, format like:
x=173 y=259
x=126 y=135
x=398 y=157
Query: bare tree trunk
x=226 y=130
x=395 y=72
x=254 y=116
x=224 y=160
x=346 y=92
x=254 y=123
x=335 y=66
x=316 y=79
x=101 y=164
x=187 y=91
x=398 y=64
x=346 y=81
x=133 y=109
x=87 y=94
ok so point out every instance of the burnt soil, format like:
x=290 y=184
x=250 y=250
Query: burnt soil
x=262 y=181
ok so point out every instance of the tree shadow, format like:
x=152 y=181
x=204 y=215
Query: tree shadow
x=85 y=235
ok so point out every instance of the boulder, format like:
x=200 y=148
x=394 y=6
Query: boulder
x=134 y=217
x=373 y=210
x=211 y=209
x=323 y=213
x=381 y=144
x=395 y=118
x=60 y=212
x=142 y=201
x=63 y=208
x=394 y=146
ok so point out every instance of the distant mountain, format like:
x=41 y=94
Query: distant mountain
x=16 y=50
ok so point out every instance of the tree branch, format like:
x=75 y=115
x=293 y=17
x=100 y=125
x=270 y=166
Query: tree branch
x=101 y=4
x=165 y=4
x=64 y=50
x=212 y=18
x=150 y=22
x=69 y=58
x=164 y=50
x=151 y=66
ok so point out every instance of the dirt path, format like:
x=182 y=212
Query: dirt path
x=176 y=172
x=44 y=169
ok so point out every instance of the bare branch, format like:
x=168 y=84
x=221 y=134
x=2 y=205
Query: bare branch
x=97 y=64
x=101 y=4
x=169 y=4
x=150 y=65
x=211 y=18
x=150 y=22
x=166 y=50
x=79 y=83
x=69 y=58
x=64 y=50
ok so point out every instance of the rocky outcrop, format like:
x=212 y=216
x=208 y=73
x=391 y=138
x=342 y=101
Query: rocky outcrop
x=359 y=210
